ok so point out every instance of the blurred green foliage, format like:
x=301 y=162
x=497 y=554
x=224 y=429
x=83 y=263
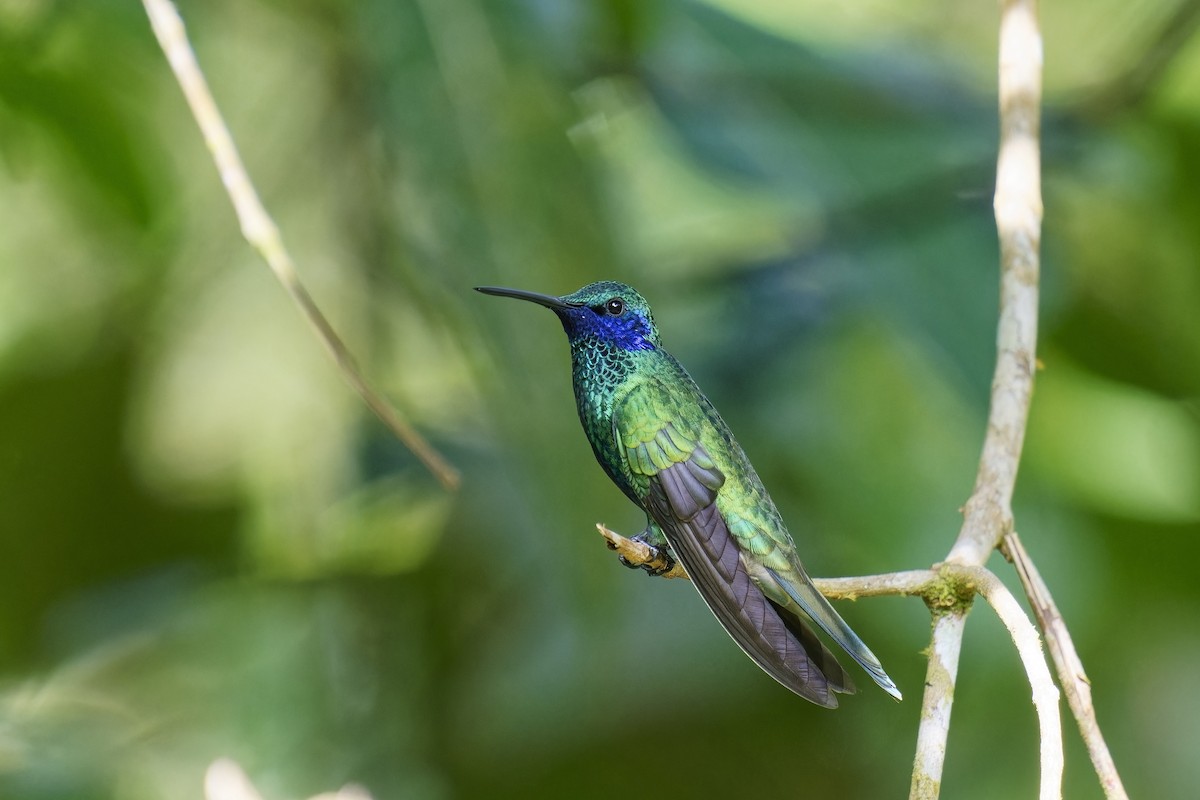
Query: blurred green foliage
x=209 y=548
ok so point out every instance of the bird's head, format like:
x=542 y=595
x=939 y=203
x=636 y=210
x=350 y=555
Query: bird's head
x=607 y=312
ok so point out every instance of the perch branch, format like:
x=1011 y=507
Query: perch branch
x=919 y=582
x=262 y=233
x=1071 y=676
x=911 y=583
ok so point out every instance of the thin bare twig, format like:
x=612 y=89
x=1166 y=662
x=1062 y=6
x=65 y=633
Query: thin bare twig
x=1071 y=676
x=262 y=233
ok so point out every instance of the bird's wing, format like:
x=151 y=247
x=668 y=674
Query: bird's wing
x=679 y=480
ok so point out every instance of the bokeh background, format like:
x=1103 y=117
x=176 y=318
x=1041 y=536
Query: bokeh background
x=208 y=548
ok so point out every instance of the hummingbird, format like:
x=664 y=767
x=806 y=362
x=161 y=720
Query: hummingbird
x=661 y=441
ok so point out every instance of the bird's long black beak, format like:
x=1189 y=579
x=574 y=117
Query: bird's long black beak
x=547 y=300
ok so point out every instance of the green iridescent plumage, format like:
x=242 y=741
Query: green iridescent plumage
x=662 y=442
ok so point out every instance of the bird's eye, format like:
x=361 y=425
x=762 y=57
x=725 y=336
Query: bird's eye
x=614 y=306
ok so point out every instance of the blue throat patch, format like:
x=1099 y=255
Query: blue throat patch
x=629 y=331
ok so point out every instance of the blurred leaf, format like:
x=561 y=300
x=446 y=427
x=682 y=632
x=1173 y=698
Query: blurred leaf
x=388 y=527
x=1119 y=449
x=839 y=127
x=56 y=94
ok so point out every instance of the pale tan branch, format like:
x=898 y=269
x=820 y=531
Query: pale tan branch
x=1071 y=676
x=917 y=582
x=1018 y=209
x=987 y=514
x=910 y=583
x=262 y=233
x=1029 y=647
x=937 y=702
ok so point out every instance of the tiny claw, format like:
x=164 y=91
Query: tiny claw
x=656 y=556
x=668 y=565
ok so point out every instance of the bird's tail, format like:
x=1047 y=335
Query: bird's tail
x=825 y=661
x=814 y=604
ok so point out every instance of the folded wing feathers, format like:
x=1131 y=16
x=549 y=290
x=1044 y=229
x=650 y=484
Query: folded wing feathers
x=712 y=558
x=683 y=481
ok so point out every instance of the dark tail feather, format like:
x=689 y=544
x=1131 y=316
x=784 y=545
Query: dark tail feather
x=814 y=604
x=822 y=658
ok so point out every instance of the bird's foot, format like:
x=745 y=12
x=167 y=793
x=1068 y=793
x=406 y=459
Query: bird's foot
x=659 y=564
x=638 y=552
x=658 y=559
